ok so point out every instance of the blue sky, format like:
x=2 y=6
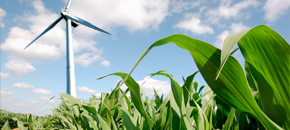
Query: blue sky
x=30 y=78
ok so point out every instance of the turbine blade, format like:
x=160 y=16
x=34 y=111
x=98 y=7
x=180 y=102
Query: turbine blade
x=46 y=30
x=67 y=6
x=83 y=22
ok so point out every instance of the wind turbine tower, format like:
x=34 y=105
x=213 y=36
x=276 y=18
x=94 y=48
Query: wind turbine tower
x=70 y=21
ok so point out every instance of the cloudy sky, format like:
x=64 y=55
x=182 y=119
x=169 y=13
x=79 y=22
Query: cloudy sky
x=29 y=78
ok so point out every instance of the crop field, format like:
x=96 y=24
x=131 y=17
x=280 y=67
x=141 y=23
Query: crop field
x=252 y=97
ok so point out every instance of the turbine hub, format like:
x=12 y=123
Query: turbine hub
x=73 y=23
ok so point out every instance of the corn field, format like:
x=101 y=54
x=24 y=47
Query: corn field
x=256 y=97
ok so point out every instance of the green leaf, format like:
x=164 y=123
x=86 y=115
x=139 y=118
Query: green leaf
x=92 y=121
x=103 y=123
x=6 y=126
x=70 y=99
x=179 y=96
x=187 y=86
x=128 y=121
x=268 y=58
x=228 y=45
x=203 y=122
x=231 y=86
x=250 y=78
x=20 y=125
x=230 y=119
x=135 y=94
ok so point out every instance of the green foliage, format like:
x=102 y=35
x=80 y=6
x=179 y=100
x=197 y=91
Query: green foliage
x=7 y=116
x=267 y=63
x=17 y=120
x=233 y=100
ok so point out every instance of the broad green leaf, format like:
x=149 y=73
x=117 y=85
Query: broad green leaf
x=70 y=99
x=6 y=126
x=85 y=122
x=187 y=86
x=231 y=86
x=20 y=125
x=268 y=57
x=178 y=95
x=195 y=85
x=176 y=115
x=242 y=120
x=128 y=121
x=135 y=94
x=163 y=120
x=92 y=121
x=250 y=78
x=103 y=123
x=230 y=119
x=175 y=88
x=228 y=45
x=90 y=109
x=222 y=112
x=64 y=119
x=203 y=122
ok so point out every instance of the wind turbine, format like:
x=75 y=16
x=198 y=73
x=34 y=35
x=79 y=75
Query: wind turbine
x=70 y=21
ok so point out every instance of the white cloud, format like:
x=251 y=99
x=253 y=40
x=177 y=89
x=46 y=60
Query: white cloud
x=86 y=90
x=35 y=107
x=50 y=46
x=18 y=67
x=42 y=91
x=235 y=28
x=4 y=75
x=86 y=59
x=238 y=27
x=33 y=102
x=178 y=6
x=194 y=25
x=132 y=14
x=98 y=95
x=149 y=84
x=5 y=92
x=105 y=63
x=221 y=38
x=21 y=104
x=275 y=8
x=23 y=85
x=226 y=10
x=2 y=14
x=6 y=97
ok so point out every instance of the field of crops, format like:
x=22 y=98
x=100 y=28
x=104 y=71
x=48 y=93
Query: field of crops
x=256 y=97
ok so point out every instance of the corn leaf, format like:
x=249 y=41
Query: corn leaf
x=187 y=86
x=231 y=86
x=268 y=59
x=128 y=121
x=20 y=125
x=135 y=94
x=6 y=126
x=230 y=119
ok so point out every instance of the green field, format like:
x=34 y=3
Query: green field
x=255 y=96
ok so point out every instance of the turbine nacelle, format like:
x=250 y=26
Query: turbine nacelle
x=73 y=23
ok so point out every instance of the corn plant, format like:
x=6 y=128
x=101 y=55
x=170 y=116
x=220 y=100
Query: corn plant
x=185 y=107
x=267 y=61
x=118 y=111
x=14 y=120
x=257 y=99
